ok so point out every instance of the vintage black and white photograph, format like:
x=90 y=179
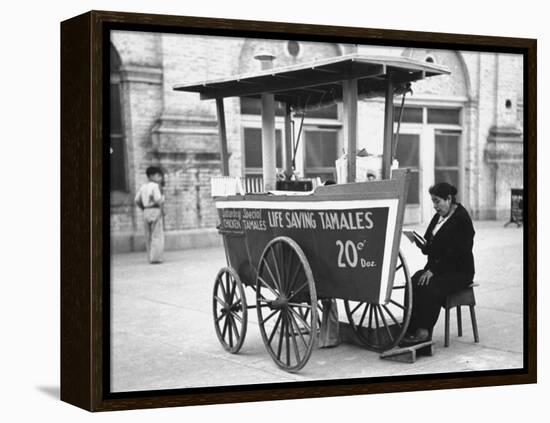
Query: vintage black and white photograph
x=286 y=211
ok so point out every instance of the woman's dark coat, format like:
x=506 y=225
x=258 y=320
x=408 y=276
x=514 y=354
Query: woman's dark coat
x=450 y=250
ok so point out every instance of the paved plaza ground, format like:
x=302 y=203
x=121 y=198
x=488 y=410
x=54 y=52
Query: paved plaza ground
x=162 y=332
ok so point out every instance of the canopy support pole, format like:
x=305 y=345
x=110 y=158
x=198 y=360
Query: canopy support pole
x=268 y=141
x=288 y=143
x=350 y=125
x=388 y=129
x=223 y=137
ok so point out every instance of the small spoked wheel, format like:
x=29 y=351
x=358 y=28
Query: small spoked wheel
x=230 y=311
x=286 y=302
x=380 y=327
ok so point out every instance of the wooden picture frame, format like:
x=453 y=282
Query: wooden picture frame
x=85 y=218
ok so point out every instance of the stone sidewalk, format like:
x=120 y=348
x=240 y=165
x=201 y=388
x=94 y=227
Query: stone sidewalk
x=162 y=333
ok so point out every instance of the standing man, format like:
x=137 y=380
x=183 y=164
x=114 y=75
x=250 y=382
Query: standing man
x=150 y=199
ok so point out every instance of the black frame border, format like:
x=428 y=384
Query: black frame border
x=85 y=382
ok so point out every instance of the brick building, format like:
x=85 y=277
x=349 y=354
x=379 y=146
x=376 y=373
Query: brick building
x=465 y=128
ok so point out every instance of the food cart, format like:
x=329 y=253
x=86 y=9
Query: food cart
x=340 y=241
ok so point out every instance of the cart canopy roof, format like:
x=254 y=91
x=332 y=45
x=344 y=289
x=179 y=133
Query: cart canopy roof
x=319 y=83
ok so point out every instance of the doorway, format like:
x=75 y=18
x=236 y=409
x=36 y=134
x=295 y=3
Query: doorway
x=430 y=145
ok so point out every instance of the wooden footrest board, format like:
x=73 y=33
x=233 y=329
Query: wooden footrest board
x=409 y=354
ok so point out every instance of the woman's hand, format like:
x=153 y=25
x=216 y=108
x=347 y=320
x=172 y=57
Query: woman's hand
x=425 y=278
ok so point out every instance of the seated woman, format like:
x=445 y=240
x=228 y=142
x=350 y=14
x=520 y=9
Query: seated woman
x=450 y=267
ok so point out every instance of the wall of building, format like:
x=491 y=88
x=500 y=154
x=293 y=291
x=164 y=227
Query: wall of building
x=179 y=132
x=141 y=98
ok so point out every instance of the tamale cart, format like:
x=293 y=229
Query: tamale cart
x=294 y=249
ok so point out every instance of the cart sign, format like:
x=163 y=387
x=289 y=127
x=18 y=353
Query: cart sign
x=348 y=244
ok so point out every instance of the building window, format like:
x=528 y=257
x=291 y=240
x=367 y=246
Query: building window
x=318 y=145
x=444 y=116
x=326 y=112
x=321 y=148
x=447 y=157
x=446 y=124
x=410 y=114
x=253 y=150
x=408 y=156
x=117 y=142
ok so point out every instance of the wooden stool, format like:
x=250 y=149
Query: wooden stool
x=464 y=297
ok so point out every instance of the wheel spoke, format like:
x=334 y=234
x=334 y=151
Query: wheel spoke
x=269 y=317
x=292 y=280
x=222 y=302
x=277 y=322
x=294 y=343
x=281 y=336
x=282 y=266
x=275 y=282
x=299 y=289
x=239 y=318
x=302 y=321
x=232 y=292
x=391 y=315
x=287 y=338
x=228 y=287
x=225 y=325
x=234 y=326
x=363 y=315
x=370 y=317
x=355 y=308
x=397 y=304
x=264 y=283
x=399 y=267
x=399 y=287
x=280 y=282
x=230 y=332
x=220 y=284
x=288 y=267
x=297 y=328
x=385 y=323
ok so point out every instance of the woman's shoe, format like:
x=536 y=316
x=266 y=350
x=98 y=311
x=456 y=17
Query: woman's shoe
x=421 y=335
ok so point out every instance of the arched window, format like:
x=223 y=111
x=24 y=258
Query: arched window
x=117 y=144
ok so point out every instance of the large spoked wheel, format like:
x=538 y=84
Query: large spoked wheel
x=286 y=302
x=230 y=311
x=380 y=327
